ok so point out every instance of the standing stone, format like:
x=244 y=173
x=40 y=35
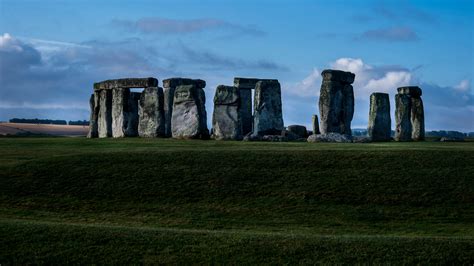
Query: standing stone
x=120 y=109
x=417 y=119
x=133 y=118
x=245 y=87
x=226 y=121
x=124 y=113
x=379 y=128
x=402 y=117
x=170 y=86
x=189 y=118
x=315 y=121
x=336 y=102
x=94 y=117
x=409 y=114
x=151 y=113
x=268 y=119
x=104 y=126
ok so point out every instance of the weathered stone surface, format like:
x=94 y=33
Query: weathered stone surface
x=133 y=118
x=104 y=125
x=414 y=91
x=268 y=119
x=330 y=137
x=298 y=130
x=189 y=118
x=169 y=86
x=94 y=104
x=126 y=83
x=338 y=75
x=226 y=122
x=379 y=128
x=409 y=114
x=336 y=102
x=274 y=138
x=124 y=113
x=245 y=86
x=417 y=119
x=403 y=126
x=151 y=113
x=315 y=121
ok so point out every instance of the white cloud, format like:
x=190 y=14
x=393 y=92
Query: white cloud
x=463 y=86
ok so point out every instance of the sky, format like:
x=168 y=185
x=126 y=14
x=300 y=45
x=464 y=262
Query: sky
x=51 y=51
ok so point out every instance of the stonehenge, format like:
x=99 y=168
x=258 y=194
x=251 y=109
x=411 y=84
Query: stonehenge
x=189 y=117
x=409 y=114
x=226 y=119
x=336 y=102
x=379 y=128
x=178 y=110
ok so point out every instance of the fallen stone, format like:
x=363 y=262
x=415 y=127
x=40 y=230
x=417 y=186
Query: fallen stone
x=189 y=119
x=268 y=119
x=274 y=138
x=126 y=83
x=298 y=130
x=330 y=137
x=104 y=126
x=151 y=113
x=226 y=122
x=379 y=128
x=451 y=139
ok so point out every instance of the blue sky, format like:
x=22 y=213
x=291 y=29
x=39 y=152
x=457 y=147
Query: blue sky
x=52 y=51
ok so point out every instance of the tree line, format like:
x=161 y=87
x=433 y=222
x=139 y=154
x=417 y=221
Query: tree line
x=49 y=121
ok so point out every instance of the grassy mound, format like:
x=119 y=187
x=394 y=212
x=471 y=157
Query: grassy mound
x=144 y=200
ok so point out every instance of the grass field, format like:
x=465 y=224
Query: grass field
x=77 y=200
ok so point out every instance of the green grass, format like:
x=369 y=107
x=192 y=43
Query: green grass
x=76 y=200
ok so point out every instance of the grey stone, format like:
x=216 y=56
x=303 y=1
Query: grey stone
x=338 y=75
x=151 y=113
x=274 y=138
x=189 y=119
x=417 y=119
x=413 y=91
x=379 y=128
x=169 y=86
x=451 y=139
x=126 y=83
x=226 y=122
x=403 y=126
x=336 y=102
x=104 y=125
x=298 y=130
x=245 y=86
x=315 y=122
x=94 y=103
x=291 y=136
x=330 y=137
x=268 y=119
x=124 y=113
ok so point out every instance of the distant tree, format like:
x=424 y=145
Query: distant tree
x=79 y=123
x=38 y=121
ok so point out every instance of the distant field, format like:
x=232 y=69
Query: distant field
x=42 y=129
x=116 y=201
